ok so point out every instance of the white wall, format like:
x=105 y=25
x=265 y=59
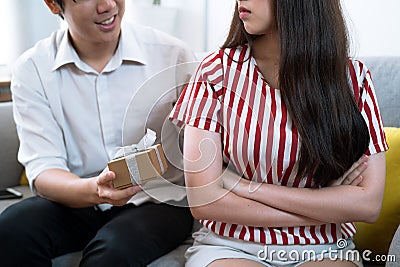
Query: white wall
x=203 y=24
x=219 y=19
x=189 y=23
x=374 y=26
x=24 y=22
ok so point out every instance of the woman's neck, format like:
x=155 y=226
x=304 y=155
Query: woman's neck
x=266 y=52
x=266 y=48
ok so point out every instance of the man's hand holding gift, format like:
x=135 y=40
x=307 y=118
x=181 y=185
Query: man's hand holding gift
x=110 y=195
x=138 y=163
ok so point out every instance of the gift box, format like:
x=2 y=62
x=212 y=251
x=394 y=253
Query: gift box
x=138 y=167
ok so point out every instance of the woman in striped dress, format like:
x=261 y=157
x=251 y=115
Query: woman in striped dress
x=275 y=123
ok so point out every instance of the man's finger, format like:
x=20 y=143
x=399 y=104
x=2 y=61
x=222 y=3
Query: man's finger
x=105 y=177
x=127 y=193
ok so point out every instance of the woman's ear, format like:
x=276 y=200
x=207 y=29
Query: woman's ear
x=53 y=6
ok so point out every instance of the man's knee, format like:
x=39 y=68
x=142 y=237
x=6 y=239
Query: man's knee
x=20 y=219
x=22 y=226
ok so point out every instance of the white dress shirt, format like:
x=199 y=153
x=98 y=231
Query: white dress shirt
x=71 y=117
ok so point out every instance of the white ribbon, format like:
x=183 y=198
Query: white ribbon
x=147 y=141
x=133 y=168
x=160 y=161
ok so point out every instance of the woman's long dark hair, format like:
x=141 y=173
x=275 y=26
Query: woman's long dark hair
x=314 y=85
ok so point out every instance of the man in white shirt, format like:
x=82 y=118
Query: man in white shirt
x=70 y=93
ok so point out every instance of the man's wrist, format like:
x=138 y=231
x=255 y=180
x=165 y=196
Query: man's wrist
x=91 y=185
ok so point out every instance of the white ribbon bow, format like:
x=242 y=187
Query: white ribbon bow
x=147 y=141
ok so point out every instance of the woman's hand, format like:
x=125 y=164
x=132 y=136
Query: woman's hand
x=108 y=194
x=354 y=175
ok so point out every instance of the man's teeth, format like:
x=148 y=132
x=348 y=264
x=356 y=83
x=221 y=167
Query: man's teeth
x=109 y=21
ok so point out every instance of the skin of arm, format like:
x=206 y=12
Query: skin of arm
x=209 y=200
x=343 y=203
x=68 y=189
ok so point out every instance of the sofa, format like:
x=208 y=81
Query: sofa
x=386 y=76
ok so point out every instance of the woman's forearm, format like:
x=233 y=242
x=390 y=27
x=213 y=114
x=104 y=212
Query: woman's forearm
x=219 y=204
x=334 y=204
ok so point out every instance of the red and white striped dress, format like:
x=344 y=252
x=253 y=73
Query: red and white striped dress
x=229 y=95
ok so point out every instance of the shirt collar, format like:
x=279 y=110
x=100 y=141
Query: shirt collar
x=66 y=53
x=129 y=46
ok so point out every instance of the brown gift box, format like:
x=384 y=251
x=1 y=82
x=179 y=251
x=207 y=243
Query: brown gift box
x=146 y=166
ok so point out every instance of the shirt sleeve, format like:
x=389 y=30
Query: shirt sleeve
x=368 y=104
x=41 y=140
x=199 y=104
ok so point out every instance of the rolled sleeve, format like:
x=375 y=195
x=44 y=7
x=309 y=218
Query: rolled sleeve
x=199 y=104
x=371 y=113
